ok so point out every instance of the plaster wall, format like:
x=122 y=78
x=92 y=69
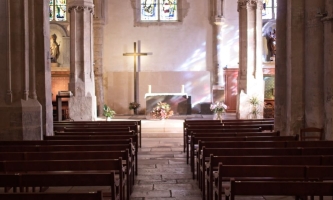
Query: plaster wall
x=185 y=46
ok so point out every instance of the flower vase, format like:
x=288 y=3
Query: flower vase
x=218 y=116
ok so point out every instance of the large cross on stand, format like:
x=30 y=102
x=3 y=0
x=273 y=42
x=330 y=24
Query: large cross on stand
x=135 y=55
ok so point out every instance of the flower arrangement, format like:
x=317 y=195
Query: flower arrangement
x=218 y=106
x=133 y=105
x=108 y=112
x=162 y=111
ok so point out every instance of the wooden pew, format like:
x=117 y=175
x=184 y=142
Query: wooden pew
x=195 y=140
x=98 y=129
x=230 y=122
x=232 y=134
x=134 y=139
x=206 y=152
x=53 y=196
x=228 y=130
x=91 y=147
x=59 y=126
x=281 y=188
x=216 y=161
x=76 y=155
x=256 y=173
x=73 y=179
x=56 y=166
x=326 y=143
x=64 y=142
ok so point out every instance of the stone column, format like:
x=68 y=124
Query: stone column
x=250 y=77
x=99 y=23
x=314 y=65
x=280 y=115
x=82 y=106
x=65 y=48
x=328 y=68
x=25 y=89
x=295 y=66
x=217 y=21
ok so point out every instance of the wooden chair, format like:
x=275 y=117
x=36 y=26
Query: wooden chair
x=311 y=133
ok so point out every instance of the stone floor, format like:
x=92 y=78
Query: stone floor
x=163 y=172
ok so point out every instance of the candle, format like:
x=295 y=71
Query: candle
x=183 y=89
x=149 y=88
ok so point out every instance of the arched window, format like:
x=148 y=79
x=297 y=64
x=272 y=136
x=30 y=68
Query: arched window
x=159 y=10
x=57 y=9
x=269 y=10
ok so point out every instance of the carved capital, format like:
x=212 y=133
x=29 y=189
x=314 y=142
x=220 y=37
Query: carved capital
x=327 y=19
x=247 y=4
x=81 y=8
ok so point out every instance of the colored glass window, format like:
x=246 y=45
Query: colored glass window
x=57 y=10
x=159 y=10
x=269 y=10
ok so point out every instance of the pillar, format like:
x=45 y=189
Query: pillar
x=25 y=89
x=99 y=23
x=328 y=69
x=250 y=77
x=217 y=20
x=295 y=66
x=280 y=112
x=314 y=65
x=82 y=106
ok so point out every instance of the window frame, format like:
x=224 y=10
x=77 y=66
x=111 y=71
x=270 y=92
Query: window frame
x=54 y=12
x=273 y=10
x=181 y=11
x=159 y=13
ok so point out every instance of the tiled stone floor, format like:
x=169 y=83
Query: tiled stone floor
x=163 y=172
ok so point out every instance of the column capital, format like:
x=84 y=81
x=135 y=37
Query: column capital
x=246 y=4
x=327 y=19
x=218 y=20
x=81 y=8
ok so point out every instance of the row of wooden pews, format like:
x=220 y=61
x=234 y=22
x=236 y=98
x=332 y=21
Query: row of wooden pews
x=79 y=154
x=230 y=161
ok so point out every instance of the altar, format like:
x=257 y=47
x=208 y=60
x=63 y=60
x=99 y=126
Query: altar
x=180 y=103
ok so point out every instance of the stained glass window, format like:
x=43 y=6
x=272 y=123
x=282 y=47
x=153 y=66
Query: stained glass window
x=57 y=10
x=159 y=10
x=269 y=10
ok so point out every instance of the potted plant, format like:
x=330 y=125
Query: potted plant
x=134 y=106
x=108 y=112
x=255 y=103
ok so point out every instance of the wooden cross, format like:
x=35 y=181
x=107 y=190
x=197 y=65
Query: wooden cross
x=135 y=55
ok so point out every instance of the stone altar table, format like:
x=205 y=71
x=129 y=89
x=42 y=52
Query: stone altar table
x=180 y=103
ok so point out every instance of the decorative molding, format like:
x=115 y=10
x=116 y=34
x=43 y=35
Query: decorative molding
x=81 y=8
x=256 y=4
x=327 y=18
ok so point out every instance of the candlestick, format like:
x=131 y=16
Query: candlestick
x=149 y=88
x=183 y=89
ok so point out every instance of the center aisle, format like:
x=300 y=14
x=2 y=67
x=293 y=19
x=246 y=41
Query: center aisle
x=163 y=172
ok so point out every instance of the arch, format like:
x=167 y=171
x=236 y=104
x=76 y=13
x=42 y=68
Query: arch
x=63 y=41
x=267 y=29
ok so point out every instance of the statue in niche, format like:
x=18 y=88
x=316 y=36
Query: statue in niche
x=271 y=44
x=54 y=48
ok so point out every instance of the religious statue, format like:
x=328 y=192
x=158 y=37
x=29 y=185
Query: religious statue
x=54 y=48
x=271 y=43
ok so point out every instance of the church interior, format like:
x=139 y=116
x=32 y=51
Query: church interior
x=70 y=65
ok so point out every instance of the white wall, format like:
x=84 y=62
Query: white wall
x=180 y=47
